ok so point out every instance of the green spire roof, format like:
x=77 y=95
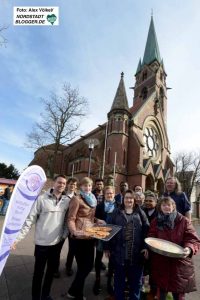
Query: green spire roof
x=151 y=52
x=139 y=67
x=120 y=101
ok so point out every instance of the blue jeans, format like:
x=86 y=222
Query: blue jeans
x=134 y=275
x=5 y=206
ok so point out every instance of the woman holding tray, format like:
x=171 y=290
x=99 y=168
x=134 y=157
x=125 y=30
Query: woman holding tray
x=170 y=274
x=104 y=212
x=127 y=248
x=81 y=214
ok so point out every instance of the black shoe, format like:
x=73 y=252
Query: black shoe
x=103 y=266
x=56 y=274
x=110 y=290
x=69 y=272
x=46 y=298
x=96 y=288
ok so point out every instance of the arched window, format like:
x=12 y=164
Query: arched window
x=149 y=183
x=160 y=187
x=144 y=75
x=144 y=93
x=111 y=125
x=161 y=94
x=119 y=123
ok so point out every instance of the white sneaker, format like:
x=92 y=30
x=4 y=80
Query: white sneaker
x=69 y=296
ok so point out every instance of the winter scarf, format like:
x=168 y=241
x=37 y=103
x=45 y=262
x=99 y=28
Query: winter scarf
x=166 y=220
x=109 y=206
x=89 y=199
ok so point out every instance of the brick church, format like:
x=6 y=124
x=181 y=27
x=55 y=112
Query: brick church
x=133 y=144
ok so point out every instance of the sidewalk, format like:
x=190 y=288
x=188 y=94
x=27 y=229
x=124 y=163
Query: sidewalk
x=15 y=282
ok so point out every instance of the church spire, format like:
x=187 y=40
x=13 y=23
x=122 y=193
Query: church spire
x=120 y=101
x=139 y=67
x=151 y=52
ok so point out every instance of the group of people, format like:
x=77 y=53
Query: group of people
x=5 y=200
x=66 y=210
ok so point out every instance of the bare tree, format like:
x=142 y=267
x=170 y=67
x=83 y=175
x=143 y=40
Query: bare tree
x=3 y=40
x=187 y=166
x=60 y=121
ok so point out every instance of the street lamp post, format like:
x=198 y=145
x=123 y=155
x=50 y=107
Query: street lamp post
x=91 y=148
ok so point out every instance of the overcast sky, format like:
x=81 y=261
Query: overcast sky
x=94 y=43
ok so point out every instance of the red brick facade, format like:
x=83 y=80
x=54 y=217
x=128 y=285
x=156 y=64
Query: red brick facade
x=136 y=137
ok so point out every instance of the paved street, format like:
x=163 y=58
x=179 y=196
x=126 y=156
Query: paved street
x=15 y=282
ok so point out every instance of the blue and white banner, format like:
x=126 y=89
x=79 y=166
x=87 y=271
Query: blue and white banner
x=26 y=191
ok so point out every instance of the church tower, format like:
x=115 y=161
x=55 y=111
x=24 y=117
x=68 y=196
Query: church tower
x=118 y=133
x=149 y=161
x=151 y=76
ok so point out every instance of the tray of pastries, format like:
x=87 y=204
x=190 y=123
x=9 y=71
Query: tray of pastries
x=164 y=247
x=102 y=232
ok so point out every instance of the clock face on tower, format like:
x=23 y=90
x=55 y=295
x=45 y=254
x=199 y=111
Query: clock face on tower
x=151 y=142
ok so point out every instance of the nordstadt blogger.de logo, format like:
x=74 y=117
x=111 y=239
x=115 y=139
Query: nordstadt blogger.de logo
x=35 y=15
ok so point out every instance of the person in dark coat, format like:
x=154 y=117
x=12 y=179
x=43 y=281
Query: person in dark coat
x=127 y=248
x=174 y=275
x=120 y=196
x=98 y=190
x=172 y=189
x=6 y=200
x=104 y=212
x=149 y=206
x=151 y=212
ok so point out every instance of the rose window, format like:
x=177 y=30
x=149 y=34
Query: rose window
x=151 y=142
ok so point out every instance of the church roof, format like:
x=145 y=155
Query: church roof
x=120 y=101
x=151 y=52
x=139 y=67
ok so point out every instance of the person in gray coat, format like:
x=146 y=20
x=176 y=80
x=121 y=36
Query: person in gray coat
x=48 y=214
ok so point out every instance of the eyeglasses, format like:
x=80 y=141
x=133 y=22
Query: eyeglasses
x=149 y=201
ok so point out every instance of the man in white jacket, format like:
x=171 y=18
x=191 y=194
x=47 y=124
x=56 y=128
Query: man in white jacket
x=48 y=214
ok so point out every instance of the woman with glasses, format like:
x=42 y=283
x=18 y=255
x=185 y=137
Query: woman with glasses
x=127 y=248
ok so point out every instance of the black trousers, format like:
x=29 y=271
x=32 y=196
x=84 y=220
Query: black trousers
x=45 y=257
x=57 y=258
x=84 y=254
x=70 y=255
x=98 y=265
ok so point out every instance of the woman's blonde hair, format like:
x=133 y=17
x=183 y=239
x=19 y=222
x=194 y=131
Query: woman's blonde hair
x=86 y=180
x=109 y=187
x=166 y=200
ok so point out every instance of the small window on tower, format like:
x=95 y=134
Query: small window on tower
x=111 y=125
x=144 y=75
x=162 y=98
x=144 y=93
